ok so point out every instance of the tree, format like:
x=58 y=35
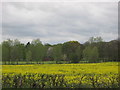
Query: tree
x=21 y=48
x=94 y=50
x=78 y=53
x=38 y=50
x=50 y=51
x=17 y=51
x=94 y=55
x=111 y=50
x=70 y=50
x=28 y=56
x=57 y=52
x=6 y=50
x=91 y=54
x=95 y=40
x=91 y=40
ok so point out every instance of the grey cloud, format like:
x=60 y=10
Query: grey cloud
x=58 y=22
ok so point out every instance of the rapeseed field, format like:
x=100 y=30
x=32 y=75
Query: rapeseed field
x=88 y=75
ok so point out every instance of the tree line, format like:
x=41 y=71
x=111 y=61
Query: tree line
x=93 y=50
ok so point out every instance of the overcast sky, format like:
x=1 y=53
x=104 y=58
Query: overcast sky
x=59 y=22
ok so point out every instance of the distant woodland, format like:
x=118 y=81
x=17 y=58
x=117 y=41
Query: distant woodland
x=92 y=51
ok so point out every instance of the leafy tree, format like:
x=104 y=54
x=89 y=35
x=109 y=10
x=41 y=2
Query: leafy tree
x=57 y=52
x=94 y=54
x=17 y=51
x=28 y=56
x=91 y=54
x=94 y=50
x=111 y=50
x=79 y=52
x=38 y=50
x=50 y=52
x=70 y=49
x=6 y=50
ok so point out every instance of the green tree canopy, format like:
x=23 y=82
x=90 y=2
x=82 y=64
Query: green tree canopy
x=91 y=54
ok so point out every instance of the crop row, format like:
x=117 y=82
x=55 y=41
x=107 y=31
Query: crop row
x=30 y=80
